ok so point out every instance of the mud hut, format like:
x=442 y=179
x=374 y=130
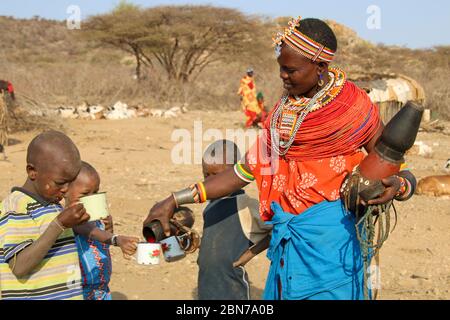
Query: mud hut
x=390 y=91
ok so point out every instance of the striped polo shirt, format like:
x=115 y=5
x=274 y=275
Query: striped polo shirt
x=23 y=219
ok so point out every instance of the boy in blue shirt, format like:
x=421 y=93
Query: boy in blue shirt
x=93 y=240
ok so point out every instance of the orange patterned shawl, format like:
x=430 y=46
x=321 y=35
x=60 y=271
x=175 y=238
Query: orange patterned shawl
x=327 y=146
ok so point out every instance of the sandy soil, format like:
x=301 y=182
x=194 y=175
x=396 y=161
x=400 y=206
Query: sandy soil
x=134 y=160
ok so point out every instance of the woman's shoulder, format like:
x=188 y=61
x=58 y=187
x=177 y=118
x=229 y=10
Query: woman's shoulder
x=351 y=89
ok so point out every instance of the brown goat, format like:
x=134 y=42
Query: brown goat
x=434 y=186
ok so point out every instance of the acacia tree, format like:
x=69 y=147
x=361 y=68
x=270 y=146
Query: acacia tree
x=124 y=28
x=183 y=40
x=192 y=37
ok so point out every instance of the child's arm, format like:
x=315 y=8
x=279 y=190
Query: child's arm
x=127 y=244
x=90 y=230
x=252 y=252
x=23 y=262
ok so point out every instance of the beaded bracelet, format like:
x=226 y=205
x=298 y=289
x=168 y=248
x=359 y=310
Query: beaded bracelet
x=243 y=174
x=201 y=192
x=404 y=190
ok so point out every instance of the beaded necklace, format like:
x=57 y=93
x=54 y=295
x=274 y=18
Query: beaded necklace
x=291 y=112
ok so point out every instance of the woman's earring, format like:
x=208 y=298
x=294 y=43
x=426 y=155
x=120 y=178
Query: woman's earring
x=320 y=83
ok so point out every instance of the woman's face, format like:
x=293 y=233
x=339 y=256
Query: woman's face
x=299 y=74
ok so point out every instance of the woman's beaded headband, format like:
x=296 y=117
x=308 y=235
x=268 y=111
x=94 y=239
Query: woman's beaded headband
x=302 y=43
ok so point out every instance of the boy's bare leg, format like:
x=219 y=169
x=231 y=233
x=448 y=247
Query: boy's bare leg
x=252 y=252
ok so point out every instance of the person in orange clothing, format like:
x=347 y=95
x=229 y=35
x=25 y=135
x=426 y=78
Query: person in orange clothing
x=7 y=98
x=249 y=103
x=7 y=88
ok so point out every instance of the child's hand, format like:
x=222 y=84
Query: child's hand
x=108 y=222
x=128 y=245
x=73 y=215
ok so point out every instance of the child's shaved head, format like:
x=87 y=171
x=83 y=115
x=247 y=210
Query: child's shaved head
x=86 y=183
x=218 y=156
x=87 y=169
x=221 y=152
x=53 y=161
x=52 y=148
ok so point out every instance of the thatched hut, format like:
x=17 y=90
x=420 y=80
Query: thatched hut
x=390 y=91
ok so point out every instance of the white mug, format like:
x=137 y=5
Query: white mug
x=148 y=253
x=171 y=249
x=96 y=206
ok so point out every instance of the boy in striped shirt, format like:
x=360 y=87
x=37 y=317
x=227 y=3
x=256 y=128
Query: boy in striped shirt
x=38 y=255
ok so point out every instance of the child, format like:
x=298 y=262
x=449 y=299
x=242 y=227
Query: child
x=38 y=256
x=263 y=114
x=93 y=240
x=231 y=226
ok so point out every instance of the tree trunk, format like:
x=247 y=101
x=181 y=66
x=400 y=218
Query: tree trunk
x=138 y=64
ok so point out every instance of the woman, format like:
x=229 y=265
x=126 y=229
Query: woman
x=249 y=100
x=313 y=138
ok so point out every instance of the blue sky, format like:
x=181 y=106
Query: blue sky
x=413 y=23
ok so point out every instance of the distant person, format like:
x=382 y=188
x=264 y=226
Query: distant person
x=263 y=114
x=230 y=226
x=38 y=254
x=6 y=98
x=249 y=102
x=93 y=240
x=7 y=88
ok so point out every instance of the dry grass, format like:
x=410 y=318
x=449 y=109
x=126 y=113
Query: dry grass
x=50 y=64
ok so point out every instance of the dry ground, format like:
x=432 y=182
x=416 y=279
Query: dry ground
x=133 y=158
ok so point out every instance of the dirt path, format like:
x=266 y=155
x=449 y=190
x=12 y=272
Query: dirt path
x=134 y=160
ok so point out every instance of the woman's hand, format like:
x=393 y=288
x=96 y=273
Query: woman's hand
x=392 y=185
x=162 y=211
